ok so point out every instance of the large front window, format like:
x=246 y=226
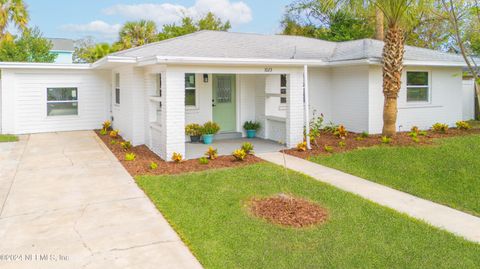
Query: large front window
x=190 y=90
x=418 y=87
x=62 y=101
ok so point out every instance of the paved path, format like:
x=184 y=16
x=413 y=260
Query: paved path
x=440 y=216
x=65 y=195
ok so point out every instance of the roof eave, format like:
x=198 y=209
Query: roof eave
x=24 y=65
x=227 y=61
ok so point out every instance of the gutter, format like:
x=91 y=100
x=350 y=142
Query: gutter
x=17 y=65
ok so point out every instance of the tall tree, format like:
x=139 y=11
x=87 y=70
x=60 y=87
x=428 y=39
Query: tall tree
x=12 y=11
x=134 y=34
x=29 y=47
x=90 y=52
x=397 y=17
x=189 y=25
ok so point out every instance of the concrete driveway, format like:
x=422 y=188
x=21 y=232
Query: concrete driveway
x=66 y=202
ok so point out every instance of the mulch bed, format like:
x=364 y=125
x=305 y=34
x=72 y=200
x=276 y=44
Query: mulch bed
x=141 y=165
x=401 y=139
x=288 y=211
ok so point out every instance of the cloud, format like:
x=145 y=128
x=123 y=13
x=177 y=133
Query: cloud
x=235 y=12
x=95 y=27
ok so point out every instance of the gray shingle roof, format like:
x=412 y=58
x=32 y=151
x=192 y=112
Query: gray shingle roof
x=62 y=44
x=280 y=47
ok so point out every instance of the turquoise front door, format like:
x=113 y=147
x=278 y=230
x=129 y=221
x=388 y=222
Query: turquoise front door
x=224 y=102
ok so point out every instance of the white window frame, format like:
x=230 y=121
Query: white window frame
x=117 y=87
x=63 y=102
x=283 y=95
x=192 y=88
x=159 y=89
x=429 y=86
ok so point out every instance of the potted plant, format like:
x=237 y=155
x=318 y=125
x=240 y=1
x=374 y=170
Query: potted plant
x=251 y=127
x=194 y=131
x=209 y=130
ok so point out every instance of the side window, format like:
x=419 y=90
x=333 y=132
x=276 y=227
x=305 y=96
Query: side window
x=62 y=101
x=117 y=88
x=418 y=87
x=159 y=85
x=283 y=89
x=190 y=90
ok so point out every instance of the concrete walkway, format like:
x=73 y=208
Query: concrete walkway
x=66 y=202
x=454 y=221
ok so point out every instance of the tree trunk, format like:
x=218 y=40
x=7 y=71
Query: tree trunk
x=379 y=24
x=393 y=52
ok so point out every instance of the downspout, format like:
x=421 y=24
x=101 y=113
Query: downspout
x=306 y=106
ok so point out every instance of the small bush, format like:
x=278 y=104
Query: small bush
x=422 y=133
x=210 y=128
x=107 y=125
x=177 y=157
x=342 y=144
x=341 y=132
x=330 y=127
x=239 y=154
x=248 y=148
x=114 y=134
x=103 y=132
x=416 y=139
x=252 y=125
x=413 y=134
x=211 y=153
x=153 y=166
x=203 y=160
x=328 y=148
x=130 y=157
x=365 y=135
x=302 y=146
x=415 y=129
x=193 y=129
x=440 y=128
x=463 y=125
x=386 y=140
x=126 y=145
x=359 y=138
x=113 y=142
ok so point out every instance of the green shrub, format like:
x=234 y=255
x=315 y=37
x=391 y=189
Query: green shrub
x=130 y=157
x=210 y=128
x=416 y=139
x=302 y=146
x=364 y=135
x=386 y=140
x=359 y=138
x=103 y=132
x=153 y=166
x=328 y=148
x=107 y=125
x=113 y=142
x=193 y=129
x=440 y=128
x=252 y=125
x=203 y=160
x=342 y=144
x=415 y=129
x=114 y=134
x=463 y=125
x=126 y=145
x=248 y=148
x=422 y=133
x=239 y=154
x=330 y=127
x=211 y=153
x=413 y=134
x=341 y=132
x=177 y=157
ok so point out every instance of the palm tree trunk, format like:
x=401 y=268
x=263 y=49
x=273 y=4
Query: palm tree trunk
x=393 y=52
x=379 y=24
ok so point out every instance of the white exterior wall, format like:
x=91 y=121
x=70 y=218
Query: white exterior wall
x=24 y=100
x=295 y=110
x=445 y=104
x=468 y=96
x=320 y=93
x=350 y=97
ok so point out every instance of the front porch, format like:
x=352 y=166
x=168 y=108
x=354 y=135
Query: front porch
x=226 y=147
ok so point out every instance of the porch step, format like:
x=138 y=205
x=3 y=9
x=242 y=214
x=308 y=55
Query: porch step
x=226 y=136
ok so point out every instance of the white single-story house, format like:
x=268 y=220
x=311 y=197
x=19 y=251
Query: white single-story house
x=151 y=92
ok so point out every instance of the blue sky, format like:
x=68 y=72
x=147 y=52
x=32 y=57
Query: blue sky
x=102 y=18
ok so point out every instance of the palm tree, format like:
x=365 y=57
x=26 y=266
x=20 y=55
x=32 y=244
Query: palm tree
x=12 y=11
x=396 y=14
x=134 y=34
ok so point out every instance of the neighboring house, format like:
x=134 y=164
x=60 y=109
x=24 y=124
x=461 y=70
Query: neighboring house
x=64 y=49
x=152 y=92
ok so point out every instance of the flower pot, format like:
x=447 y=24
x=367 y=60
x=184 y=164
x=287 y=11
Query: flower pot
x=195 y=138
x=251 y=133
x=208 y=139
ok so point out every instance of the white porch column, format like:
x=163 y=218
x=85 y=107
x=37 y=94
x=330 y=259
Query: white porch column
x=295 y=109
x=173 y=116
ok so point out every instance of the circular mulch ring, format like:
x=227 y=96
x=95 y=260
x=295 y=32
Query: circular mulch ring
x=288 y=211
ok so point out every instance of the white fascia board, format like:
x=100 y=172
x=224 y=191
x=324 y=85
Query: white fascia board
x=434 y=63
x=16 y=65
x=113 y=60
x=227 y=61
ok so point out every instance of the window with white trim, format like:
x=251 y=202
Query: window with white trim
x=283 y=89
x=190 y=90
x=62 y=101
x=117 y=88
x=418 y=87
x=158 y=90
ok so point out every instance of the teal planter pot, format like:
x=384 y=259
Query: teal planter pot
x=251 y=133
x=208 y=139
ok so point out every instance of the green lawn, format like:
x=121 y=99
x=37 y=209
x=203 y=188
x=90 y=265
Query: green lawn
x=208 y=211
x=447 y=173
x=8 y=138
